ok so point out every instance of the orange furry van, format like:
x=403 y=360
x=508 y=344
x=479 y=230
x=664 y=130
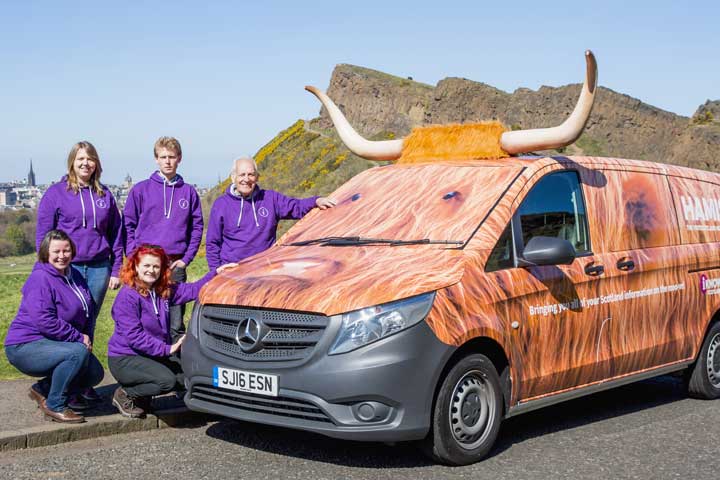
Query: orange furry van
x=452 y=289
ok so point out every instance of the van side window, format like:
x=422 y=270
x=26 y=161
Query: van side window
x=501 y=256
x=555 y=208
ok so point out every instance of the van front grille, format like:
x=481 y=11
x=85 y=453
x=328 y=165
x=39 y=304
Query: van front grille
x=279 y=406
x=284 y=335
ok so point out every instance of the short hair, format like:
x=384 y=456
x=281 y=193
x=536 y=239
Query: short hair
x=171 y=143
x=43 y=254
x=128 y=272
x=243 y=159
x=72 y=181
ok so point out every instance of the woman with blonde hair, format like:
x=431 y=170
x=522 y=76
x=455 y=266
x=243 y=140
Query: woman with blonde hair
x=85 y=209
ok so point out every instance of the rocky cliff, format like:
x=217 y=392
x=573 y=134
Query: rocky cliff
x=308 y=158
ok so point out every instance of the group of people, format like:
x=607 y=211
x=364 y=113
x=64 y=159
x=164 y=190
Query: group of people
x=81 y=241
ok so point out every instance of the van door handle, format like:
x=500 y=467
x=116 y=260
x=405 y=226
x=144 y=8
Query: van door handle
x=625 y=265
x=594 y=270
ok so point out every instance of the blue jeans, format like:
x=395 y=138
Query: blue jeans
x=66 y=367
x=97 y=276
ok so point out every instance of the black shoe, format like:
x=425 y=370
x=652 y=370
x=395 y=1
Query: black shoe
x=90 y=395
x=126 y=405
x=77 y=403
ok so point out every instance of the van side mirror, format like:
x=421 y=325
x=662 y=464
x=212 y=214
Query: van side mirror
x=547 y=251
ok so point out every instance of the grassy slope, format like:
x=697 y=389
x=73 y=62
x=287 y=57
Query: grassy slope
x=12 y=279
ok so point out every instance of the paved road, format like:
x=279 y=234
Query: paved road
x=647 y=430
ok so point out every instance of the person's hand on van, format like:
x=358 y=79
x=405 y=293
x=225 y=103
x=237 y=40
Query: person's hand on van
x=222 y=268
x=176 y=346
x=323 y=203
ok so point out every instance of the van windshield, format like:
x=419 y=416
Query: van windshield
x=439 y=203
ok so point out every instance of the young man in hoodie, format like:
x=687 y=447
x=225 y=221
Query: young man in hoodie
x=244 y=220
x=165 y=211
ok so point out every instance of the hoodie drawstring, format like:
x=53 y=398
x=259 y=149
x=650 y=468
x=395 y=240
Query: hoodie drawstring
x=242 y=204
x=93 y=205
x=71 y=283
x=82 y=205
x=168 y=208
x=153 y=299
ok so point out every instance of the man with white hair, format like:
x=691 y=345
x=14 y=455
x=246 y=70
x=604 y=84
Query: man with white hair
x=243 y=221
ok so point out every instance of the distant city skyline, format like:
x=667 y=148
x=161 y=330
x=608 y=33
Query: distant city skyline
x=225 y=78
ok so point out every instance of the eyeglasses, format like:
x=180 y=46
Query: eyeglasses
x=148 y=245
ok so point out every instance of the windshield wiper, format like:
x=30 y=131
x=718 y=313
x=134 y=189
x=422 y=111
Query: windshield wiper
x=350 y=241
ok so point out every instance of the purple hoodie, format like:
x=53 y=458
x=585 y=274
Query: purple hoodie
x=53 y=306
x=92 y=221
x=164 y=213
x=239 y=227
x=142 y=324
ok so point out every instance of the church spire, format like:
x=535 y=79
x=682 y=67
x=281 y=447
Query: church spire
x=31 y=176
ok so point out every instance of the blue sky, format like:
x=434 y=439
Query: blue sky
x=225 y=77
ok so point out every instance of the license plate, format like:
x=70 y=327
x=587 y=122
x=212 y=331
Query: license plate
x=242 y=381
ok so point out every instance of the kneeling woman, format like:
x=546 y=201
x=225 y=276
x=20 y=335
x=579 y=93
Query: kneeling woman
x=140 y=347
x=52 y=334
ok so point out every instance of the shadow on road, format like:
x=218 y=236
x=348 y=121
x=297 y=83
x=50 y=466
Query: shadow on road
x=569 y=415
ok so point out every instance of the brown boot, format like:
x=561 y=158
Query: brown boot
x=126 y=405
x=66 y=416
x=36 y=394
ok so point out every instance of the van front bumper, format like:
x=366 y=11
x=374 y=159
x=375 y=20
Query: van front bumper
x=381 y=392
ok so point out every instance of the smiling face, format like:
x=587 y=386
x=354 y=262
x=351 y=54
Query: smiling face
x=83 y=166
x=60 y=255
x=148 y=269
x=245 y=176
x=167 y=161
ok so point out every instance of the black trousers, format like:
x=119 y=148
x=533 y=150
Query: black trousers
x=177 y=312
x=146 y=376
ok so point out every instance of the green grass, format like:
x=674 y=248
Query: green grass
x=13 y=273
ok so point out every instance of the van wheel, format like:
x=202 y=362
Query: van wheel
x=704 y=381
x=467 y=415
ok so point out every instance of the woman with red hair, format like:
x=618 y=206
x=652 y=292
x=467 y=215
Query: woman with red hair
x=140 y=347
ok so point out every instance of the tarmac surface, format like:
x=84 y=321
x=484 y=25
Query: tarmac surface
x=640 y=431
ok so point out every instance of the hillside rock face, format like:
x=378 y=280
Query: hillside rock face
x=619 y=125
x=308 y=158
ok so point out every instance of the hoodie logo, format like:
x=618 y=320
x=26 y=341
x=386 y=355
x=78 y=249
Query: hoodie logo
x=101 y=203
x=263 y=212
x=183 y=203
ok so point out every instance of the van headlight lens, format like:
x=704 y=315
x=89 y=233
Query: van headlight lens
x=368 y=325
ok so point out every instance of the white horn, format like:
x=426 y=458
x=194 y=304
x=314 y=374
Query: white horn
x=521 y=141
x=372 y=150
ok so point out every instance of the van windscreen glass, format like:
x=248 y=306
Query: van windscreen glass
x=407 y=202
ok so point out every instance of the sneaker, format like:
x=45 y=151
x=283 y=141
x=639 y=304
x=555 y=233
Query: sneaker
x=90 y=395
x=77 y=403
x=126 y=405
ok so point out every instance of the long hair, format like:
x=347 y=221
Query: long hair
x=72 y=179
x=129 y=276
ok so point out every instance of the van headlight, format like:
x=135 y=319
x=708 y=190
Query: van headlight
x=368 y=325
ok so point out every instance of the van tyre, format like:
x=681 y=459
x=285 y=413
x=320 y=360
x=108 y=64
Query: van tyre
x=467 y=413
x=704 y=378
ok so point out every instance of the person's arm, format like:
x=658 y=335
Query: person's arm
x=130 y=221
x=196 y=230
x=46 y=219
x=187 y=292
x=214 y=237
x=126 y=312
x=293 y=208
x=114 y=237
x=41 y=305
